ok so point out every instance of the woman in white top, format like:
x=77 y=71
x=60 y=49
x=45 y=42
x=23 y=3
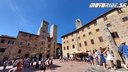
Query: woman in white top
x=96 y=57
x=110 y=58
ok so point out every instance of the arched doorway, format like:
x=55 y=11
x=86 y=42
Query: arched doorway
x=58 y=52
x=68 y=55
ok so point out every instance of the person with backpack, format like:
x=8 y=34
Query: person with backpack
x=17 y=65
x=37 y=64
x=5 y=64
x=47 y=63
x=43 y=66
x=123 y=49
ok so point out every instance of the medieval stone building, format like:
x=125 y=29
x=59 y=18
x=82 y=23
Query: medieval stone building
x=107 y=30
x=28 y=44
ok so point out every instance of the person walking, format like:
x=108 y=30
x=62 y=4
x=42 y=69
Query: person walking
x=123 y=49
x=47 y=63
x=96 y=57
x=60 y=58
x=5 y=64
x=37 y=64
x=103 y=60
x=31 y=62
x=110 y=58
x=91 y=59
x=17 y=65
x=20 y=66
x=51 y=60
x=25 y=63
x=43 y=66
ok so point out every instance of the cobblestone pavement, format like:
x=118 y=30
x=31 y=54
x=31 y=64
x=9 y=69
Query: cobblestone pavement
x=70 y=66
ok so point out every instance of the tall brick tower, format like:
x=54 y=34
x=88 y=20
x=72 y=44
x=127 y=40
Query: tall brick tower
x=43 y=39
x=53 y=36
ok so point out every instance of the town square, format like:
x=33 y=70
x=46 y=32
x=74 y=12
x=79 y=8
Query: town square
x=63 y=36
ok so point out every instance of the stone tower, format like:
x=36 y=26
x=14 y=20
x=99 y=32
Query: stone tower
x=53 y=36
x=43 y=38
x=53 y=31
x=78 y=23
x=43 y=29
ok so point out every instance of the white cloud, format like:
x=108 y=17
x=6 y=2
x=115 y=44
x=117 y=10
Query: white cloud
x=17 y=10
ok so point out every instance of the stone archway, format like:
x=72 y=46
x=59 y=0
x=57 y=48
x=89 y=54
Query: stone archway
x=68 y=55
x=58 y=52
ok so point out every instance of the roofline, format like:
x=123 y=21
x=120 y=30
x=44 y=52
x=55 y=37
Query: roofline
x=27 y=33
x=59 y=43
x=7 y=37
x=90 y=22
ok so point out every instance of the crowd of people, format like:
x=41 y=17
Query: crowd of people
x=24 y=64
x=102 y=57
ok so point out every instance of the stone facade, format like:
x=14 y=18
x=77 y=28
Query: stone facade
x=107 y=30
x=7 y=43
x=28 y=44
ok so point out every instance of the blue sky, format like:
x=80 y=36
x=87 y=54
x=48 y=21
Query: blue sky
x=26 y=15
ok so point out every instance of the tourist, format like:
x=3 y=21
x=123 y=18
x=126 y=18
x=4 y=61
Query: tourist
x=123 y=49
x=51 y=60
x=5 y=64
x=91 y=59
x=43 y=65
x=37 y=64
x=96 y=57
x=25 y=62
x=31 y=62
x=99 y=58
x=17 y=65
x=87 y=57
x=60 y=59
x=110 y=58
x=103 y=60
x=47 y=63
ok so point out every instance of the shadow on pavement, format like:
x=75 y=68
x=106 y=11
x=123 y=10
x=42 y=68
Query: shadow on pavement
x=32 y=69
x=53 y=67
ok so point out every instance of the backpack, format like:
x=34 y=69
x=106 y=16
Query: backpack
x=16 y=63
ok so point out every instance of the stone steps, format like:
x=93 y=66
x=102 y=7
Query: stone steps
x=97 y=69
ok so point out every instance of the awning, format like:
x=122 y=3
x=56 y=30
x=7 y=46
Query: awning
x=80 y=53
